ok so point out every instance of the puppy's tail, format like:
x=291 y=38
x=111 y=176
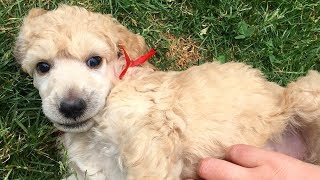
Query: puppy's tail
x=302 y=99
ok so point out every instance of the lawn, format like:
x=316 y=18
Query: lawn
x=280 y=37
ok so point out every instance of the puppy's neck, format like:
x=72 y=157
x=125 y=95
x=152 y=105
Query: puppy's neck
x=134 y=73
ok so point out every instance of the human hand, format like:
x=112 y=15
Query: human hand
x=245 y=162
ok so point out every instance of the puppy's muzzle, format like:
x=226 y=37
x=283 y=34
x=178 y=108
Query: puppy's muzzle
x=72 y=107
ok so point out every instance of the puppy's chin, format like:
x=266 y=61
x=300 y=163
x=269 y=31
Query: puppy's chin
x=75 y=127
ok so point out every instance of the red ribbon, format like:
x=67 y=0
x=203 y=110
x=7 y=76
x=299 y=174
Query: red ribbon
x=142 y=59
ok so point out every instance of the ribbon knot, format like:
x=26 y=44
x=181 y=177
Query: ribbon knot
x=142 y=59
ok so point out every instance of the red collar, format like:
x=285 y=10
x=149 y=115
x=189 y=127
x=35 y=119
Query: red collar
x=142 y=59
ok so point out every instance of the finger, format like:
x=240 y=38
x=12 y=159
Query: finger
x=218 y=169
x=248 y=156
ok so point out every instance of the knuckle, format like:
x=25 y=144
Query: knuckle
x=236 y=151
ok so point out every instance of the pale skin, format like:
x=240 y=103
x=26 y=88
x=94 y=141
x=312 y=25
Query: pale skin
x=245 y=162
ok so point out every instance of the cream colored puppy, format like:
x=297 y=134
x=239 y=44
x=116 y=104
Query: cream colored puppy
x=66 y=52
x=153 y=124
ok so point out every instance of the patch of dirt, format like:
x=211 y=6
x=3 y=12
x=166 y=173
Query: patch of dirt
x=184 y=50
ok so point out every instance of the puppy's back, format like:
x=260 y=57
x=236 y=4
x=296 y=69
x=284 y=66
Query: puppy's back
x=226 y=104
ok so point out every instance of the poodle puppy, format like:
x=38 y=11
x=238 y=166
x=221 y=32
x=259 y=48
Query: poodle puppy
x=153 y=124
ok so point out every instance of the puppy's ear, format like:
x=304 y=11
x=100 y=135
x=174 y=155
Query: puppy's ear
x=134 y=44
x=35 y=12
x=19 y=49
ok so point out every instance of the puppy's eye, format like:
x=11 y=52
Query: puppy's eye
x=94 y=62
x=43 y=67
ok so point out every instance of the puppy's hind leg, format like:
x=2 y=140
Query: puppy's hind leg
x=303 y=97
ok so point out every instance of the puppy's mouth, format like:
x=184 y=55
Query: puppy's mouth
x=76 y=127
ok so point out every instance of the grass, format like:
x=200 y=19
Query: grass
x=280 y=37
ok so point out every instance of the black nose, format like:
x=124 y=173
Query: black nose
x=72 y=108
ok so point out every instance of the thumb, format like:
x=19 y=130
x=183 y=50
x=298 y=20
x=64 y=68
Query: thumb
x=248 y=156
x=218 y=169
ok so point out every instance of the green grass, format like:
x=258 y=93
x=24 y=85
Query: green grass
x=280 y=37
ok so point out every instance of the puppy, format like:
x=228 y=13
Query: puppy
x=153 y=124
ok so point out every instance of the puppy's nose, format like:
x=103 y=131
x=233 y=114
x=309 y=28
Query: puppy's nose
x=72 y=108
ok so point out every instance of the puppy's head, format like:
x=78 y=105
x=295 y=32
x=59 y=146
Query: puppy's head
x=73 y=56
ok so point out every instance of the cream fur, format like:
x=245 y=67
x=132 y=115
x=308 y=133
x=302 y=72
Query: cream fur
x=153 y=124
